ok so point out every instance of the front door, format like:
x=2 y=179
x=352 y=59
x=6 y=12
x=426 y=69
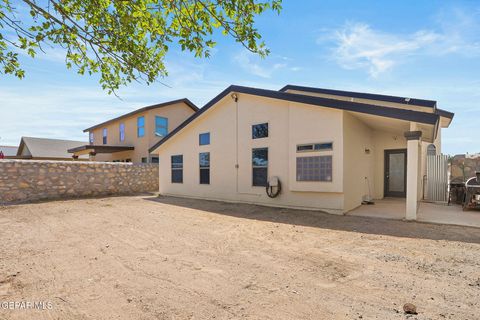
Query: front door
x=395 y=173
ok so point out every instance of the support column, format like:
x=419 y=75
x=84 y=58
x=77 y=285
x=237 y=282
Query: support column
x=413 y=173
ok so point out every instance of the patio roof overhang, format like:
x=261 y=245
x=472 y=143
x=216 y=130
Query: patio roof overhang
x=94 y=149
x=397 y=127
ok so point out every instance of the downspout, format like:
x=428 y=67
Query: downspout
x=235 y=98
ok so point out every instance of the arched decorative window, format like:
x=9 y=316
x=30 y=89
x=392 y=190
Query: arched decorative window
x=431 y=150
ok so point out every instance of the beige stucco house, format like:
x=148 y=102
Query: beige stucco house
x=329 y=149
x=128 y=137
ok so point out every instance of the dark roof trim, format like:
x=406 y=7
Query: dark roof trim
x=101 y=148
x=413 y=135
x=445 y=113
x=361 y=95
x=160 y=105
x=402 y=114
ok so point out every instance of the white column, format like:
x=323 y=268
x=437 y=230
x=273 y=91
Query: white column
x=413 y=173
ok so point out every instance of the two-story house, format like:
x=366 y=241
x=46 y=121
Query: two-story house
x=127 y=138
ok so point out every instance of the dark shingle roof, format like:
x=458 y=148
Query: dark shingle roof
x=362 y=95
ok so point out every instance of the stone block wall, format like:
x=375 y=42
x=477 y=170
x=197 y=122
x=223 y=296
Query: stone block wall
x=31 y=180
x=463 y=167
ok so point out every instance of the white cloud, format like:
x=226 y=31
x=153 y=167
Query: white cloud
x=262 y=67
x=359 y=46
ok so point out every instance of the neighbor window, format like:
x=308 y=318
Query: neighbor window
x=205 y=168
x=144 y=160
x=315 y=147
x=431 y=150
x=314 y=168
x=177 y=169
x=259 y=167
x=90 y=137
x=260 y=131
x=122 y=131
x=104 y=136
x=161 y=126
x=140 y=126
x=204 y=138
x=153 y=159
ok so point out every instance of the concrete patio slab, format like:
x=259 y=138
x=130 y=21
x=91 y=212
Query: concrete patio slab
x=392 y=208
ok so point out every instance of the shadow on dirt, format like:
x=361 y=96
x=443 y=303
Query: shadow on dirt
x=318 y=219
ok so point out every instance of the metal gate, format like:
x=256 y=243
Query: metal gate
x=437 y=178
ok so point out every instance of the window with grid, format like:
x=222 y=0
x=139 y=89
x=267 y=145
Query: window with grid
x=177 y=169
x=161 y=126
x=90 y=137
x=259 y=167
x=327 y=146
x=204 y=167
x=314 y=168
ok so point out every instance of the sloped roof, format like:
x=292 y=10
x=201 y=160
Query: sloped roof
x=363 y=95
x=155 y=106
x=9 y=151
x=402 y=114
x=48 y=148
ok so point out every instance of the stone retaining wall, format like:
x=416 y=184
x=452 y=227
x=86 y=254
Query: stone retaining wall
x=464 y=167
x=30 y=180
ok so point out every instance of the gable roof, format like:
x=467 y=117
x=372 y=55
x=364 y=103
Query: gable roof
x=402 y=114
x=9 y=151
x=155 y=106
x=361 y=95
x=47 y=148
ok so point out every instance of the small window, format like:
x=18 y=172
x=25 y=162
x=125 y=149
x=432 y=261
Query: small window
x=315 y=147
x=260 y=131
x=314 y=168
x=431 y=150
x=90 y=138
x=104 y=140
x=140 y=126
x=122 y=131
x=177 y=169
x=161 y=126
x=259 y=167
x=205 y=168
x=144 y=160
x=204 y=138
x=154 y=160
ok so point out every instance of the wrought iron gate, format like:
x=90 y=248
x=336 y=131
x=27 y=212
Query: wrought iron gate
x=437 y=178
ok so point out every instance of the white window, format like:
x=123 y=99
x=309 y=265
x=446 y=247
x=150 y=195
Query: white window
x=314 y=168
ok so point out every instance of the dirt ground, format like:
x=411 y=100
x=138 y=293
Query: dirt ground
x=145 y=257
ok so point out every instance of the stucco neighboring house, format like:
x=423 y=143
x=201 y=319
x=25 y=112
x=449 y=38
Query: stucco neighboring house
x=8 y=151
x=127 y=138
x=46 y=149
x=329 y=149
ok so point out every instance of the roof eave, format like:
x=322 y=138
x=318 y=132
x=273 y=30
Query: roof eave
x=143 y=109
x=402 y=114
x=361 y=95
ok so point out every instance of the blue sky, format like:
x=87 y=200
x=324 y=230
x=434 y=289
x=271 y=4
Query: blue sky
x=421 y=49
